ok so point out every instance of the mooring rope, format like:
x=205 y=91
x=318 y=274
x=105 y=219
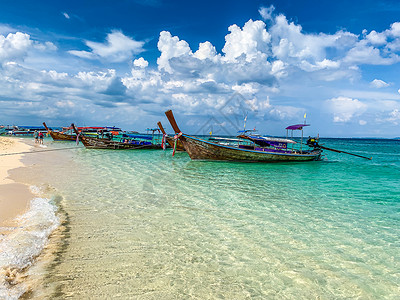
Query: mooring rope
x=29 y=152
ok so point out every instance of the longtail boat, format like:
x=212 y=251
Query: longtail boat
x=67 y=134
x=4 y=129
x=110 y=142
x=60 y=136
x=170 y=140
x=100 y=131
x=260 y=149
x=25 y=130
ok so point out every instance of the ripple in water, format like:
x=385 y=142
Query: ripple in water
x=144 y=225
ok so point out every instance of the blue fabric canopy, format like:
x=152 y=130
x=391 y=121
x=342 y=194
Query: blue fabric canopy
x=134 y=136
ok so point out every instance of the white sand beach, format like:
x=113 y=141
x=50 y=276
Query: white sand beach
x=27 y=219
x=14 y=197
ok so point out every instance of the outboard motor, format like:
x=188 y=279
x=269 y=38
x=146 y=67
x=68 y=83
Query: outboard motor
x=312 y=142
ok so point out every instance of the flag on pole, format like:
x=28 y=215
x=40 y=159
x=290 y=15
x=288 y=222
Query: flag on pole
x=305 y=115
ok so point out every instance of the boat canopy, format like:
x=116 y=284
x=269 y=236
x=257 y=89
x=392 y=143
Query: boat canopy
x=98 y=128
x=247 y=130
x=269 y=139
x=264 y=141
x=31 y=127
x=216 y=138
x=112 y=128
x=297 y=126
x=136 y=136
x=90 y=129
x=272 y=139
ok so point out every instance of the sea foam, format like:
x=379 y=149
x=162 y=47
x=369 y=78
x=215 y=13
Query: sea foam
x=20 y=247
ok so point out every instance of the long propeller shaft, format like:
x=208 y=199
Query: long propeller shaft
x=340 y=151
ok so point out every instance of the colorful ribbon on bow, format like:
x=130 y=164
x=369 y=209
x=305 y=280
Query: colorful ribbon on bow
x=164 y=137
x=176 y=137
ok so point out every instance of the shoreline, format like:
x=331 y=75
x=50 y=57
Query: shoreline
x=28 y=218
x=15 y=197
x=123 y=229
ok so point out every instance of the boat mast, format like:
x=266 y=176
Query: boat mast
x=244 y=125
x=301 y=144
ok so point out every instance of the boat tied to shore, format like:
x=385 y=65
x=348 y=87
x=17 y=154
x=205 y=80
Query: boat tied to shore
x=21 y=130
x=68 y=134
x=173 y=142
x=65 y=135
x=120 y=142
x=248 y=148
x=251 y=148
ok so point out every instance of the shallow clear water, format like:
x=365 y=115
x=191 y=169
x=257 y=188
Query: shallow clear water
x=146 y=225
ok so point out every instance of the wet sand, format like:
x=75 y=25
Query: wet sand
x=14 y=197
x=30 y=231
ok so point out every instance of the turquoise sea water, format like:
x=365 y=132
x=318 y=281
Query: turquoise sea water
x=146 y=225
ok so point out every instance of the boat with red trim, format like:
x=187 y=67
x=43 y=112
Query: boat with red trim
x=120 y=142
x=246 y=148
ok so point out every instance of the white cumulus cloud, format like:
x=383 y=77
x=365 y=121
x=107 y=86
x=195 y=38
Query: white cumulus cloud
x=272 y=66
x=170 y=47
x=376 y=38
x=251 y=41
x=117 y=48
x=266 y=12
x=140 y=62
x=370 y=55
x=395 y=29
x=394 y=116
x=344 y=108
x=377 y=83
x=206 y=50
x=307 y=51
x=14 y=46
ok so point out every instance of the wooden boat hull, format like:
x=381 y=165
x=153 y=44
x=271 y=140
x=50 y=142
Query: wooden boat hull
x=59 y=136
x=95 y=143
x=179 y=144
x=204 y=150
x=170 y=140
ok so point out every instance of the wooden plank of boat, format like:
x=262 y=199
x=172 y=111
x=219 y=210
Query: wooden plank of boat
x=96 y=143
x=171 y=140
x=59 y=136
x=206 y=150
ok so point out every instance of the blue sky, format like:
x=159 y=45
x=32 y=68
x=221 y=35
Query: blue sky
x=125 y=62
